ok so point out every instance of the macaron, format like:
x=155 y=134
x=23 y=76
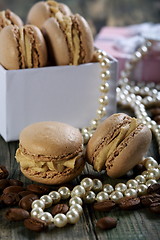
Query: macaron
x=8 y=17
x=25 y=47
x=50 y=152
x=118 y=144
x=69 y=39
x=43 y=10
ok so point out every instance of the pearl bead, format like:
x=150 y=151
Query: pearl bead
x=145 y=174
x=36 y=211
x=38 y=204
x=108 y=188
x=121 y=187
x=89 y=197
x=78 y=191
x=46 y=216
x=75 y=200
x=150 y=182
x=105 y=63
x=97 y=185
x=87 y=183
x=131 y=192
x=47 y=200
x=154 y=173
x=104 y=87
x=150 y=163
x=140 y=179
x=64 y=192
x=102 y=196
x=142 y=189
x=72 y=216
x=105 y=75
x=116 y=195
x=60 y=220
x=132 y=183
x=56 y=197
x=77 y=207
x=103 y=100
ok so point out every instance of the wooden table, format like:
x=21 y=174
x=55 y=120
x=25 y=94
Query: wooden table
x=132 y=225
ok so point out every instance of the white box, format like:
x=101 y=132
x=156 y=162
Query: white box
x=61 y=93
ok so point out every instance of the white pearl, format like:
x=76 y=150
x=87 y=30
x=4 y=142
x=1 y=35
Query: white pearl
x=150 y=162
x=145 y=174
x=105 y=63
x=97 y=185
x=132 y=183
x=108 y=188
x=140 y=179
x=102 y=196
x=72 y=216
x=56 y=197
x=77 y=207
x=116 y=195
x=60 y=220
x=142 y=189
x=150 y=182
x=78 y=191
x=131 y=192
x=153 y=173
x=38 y=203
x=101 y=111
x=105 y=75
x=36 y=211
x=104 y=88
x=46 y=216
x=94 y=123
x=47 y=200
x=64 y=192
x=86 y=137
x=89 y=197
x=121 y=187
x=75 y=200
x=87 y=183
x=103 y=100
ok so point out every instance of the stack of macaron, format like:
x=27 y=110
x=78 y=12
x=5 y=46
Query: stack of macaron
x=52 y=36
x=53 y=152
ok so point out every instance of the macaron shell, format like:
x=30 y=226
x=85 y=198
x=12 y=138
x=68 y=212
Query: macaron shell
x=15 y=19
x=9 y=54
x=56 y=178
x=56 y=41
x=52 y=139
x=131 y=154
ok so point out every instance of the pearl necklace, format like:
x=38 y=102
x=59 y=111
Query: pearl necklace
x=93 y=190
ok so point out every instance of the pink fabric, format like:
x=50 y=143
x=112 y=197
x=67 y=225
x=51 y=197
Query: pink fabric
x=121 y=42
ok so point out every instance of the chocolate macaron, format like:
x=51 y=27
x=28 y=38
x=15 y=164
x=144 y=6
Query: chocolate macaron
x=50 y=152
x=119 y=143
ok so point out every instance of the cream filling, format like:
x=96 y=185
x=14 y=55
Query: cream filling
x=27 y=162
x=108 y=149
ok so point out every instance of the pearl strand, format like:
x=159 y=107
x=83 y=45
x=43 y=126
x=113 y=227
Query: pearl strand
x=105 y=75
x=93 y=190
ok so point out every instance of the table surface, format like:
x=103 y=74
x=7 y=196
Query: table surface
x=132 y=225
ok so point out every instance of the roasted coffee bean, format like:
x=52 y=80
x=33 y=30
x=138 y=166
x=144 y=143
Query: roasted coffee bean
x=3 y=172
x=15 y=182
x=10 y=198
x=148 y=199
x=24 y=193
x=106 y=223
x=16 y=214
x=157 y=119
x=155 y=188
x=3 y=184
x=129 y=203
x=106 y=205
x=155 y=111
x=38 y=189
x=26 y=201
x=138 y=169
x=35 y=224
x=155 y=207
x=60 y=208
x=13 y=189
x=1 y=202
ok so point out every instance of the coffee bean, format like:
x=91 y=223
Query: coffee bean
x=26 y=201
x=13 y=189
x=3 y=172
x=24 y=193
x=16 y=214
x=106 y=223
x=3 y=184
x=155 y=111
x=1 y=202
x=148 y=199
x=15 y=182
x=129 y=203
x=38 y=189
x=155 y=188
x=35 y=224
x=59 y=208
x=138 y=169
x=106 y=205
x=10 y=198
x=155 y=207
